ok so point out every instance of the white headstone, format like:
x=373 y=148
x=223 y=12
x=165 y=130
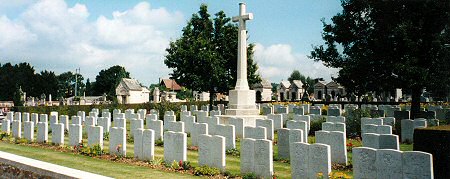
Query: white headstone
x=64 y=119
x=17 y=129
x=175 y=126
x=255 y=132
x=75 y=134
x=117 y=141
x=364 y=162
x=238 y=124
x=291 y=124
x=211 y=151
x=95 y=136
x=417 y=164
x=227 y=131
x=58 y=134
x=389 y=163
x=28 y=131
x=157 y=127
x=268 y=124
x=277 y=120
x=42 y=136
x=283 y=143
x=175 y=146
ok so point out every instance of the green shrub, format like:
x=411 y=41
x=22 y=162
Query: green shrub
x=353 y=122
x=436 y=141
x=106 y=136
x=96 y=150
x=73 y=109
x=249 y=176
x=233 y=152
x=159 y=143
x=157 y=161
x=4 y=135
x=316 y=125
x=205 y=170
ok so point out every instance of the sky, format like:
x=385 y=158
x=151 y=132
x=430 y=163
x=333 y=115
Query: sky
x=93 y=35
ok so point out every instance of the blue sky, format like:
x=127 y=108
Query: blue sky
x=94 y=35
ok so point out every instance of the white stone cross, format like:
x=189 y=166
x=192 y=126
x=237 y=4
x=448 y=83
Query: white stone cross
x=242 y=83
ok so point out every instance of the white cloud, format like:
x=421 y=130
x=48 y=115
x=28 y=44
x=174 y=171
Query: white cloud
x=50 y=35
x=276 y=63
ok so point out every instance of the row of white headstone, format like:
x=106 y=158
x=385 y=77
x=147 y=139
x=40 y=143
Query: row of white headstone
x=212 y=145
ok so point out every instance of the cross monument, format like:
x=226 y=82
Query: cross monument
x=242 y=99
x=242 y=82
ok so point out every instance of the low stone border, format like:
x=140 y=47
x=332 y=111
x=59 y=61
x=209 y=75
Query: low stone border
x=43 y=168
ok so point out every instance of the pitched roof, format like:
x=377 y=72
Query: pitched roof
x=133 y=85
x=320 y=84
x=286 y=84
x=263 y=84
x=298 y=83
x=171 y=84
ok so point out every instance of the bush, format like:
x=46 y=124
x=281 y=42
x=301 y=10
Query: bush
x=249 y=176
x=73 y=109
x=353 y=122
x=436 y=141
x=233 y=152
x=159 y=143
x=205 y=170
x=316 y=125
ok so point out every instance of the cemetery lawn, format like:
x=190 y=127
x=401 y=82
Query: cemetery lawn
x=89 y=164
x=281 y=167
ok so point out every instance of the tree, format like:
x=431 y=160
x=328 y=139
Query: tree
x=47 y=83
x=296 y=75
x=66 y=84
x=204 y=58
x=89 y=86
x=382 y=45
x=107 y=80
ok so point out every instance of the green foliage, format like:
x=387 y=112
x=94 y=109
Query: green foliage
x=249 y=176
x=233 y=152
x=72 y=110
x=18 y=97
x=106 y=136
x=436 y=141
x=157 y=161
x=107 y=80
x=96 y=150
x=353 y=122
x=159 y=143
x=204 y=58
x=206 y=171
x=185 y=94
x=23 y=75
x=316 y=125
x=4 y=135
x=66 y=84
x=382 y=45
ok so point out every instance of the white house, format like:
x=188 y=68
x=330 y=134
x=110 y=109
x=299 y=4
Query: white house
x=290 y=91
x=129 y=91
x=332 y=88
x=263 y=90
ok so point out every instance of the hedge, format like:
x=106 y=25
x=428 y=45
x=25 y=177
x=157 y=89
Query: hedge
x=435 y=140
x=73 y=109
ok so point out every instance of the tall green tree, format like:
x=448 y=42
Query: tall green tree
x=381 y=45
x=47 y=83
x=107 y=80
x=66 y=84
x=204 y=58
x=296 y=75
